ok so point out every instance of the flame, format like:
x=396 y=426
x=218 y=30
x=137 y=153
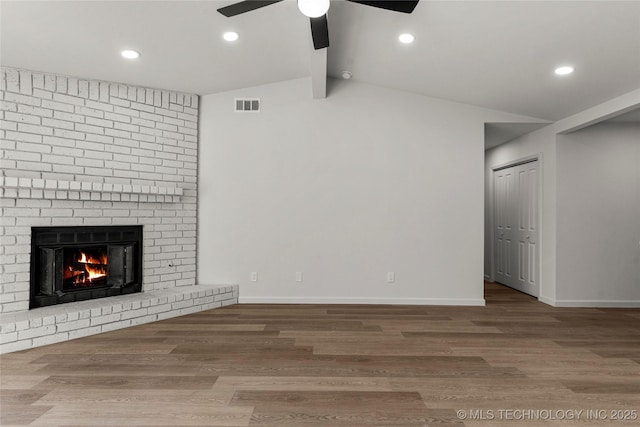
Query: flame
x=91 y=260
x=95 y=272
x=95 y=267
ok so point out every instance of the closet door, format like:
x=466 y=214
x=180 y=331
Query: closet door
x=516 y=231
x=503 y=214
x=526 y=232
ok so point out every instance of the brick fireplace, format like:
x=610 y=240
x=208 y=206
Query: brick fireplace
x=78 y=152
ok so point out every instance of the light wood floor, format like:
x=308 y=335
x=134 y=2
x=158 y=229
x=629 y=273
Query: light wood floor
x=339 y=365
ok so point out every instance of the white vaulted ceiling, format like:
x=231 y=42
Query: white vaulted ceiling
x=180 y=42
x=495 y=54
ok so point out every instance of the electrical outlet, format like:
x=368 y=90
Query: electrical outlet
x=298 y=276
x=254 y=276
x=391 y=277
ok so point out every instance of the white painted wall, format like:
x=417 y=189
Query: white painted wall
x=599 y=215
x=345 y=189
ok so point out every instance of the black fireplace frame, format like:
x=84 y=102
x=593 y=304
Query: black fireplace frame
x=83 y=236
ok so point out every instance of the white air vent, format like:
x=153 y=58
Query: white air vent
x=248 y=105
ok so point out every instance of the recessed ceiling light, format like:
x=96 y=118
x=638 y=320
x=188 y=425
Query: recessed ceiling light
x=406 y=38
x=564 y=70
x=230 y=36
x=346 y=75
x=130 y=54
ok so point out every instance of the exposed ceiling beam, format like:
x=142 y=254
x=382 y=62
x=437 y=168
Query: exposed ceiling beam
x=606 y=110
x=319 y=73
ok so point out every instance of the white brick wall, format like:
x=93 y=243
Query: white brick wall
x=80 y=152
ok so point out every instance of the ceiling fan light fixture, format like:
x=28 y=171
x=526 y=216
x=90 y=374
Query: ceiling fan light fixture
x=130 y=54
x=406 y=38
x=564 y=70
x=230 y=36
x=313 y=8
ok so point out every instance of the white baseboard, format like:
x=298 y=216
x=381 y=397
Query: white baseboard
x=547 y=300
x=337 y=300
x=591 y=303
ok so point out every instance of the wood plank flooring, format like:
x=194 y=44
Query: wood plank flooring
x=340 y=365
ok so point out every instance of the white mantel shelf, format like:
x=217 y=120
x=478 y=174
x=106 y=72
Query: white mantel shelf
x=32 y=188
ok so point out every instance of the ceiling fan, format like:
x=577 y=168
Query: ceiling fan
x=316 y=10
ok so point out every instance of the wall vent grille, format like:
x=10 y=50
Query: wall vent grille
x=247 y=105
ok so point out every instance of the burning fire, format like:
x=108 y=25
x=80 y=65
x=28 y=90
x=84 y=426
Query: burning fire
x=84 y=259
x=92 y=268
x=95 y=272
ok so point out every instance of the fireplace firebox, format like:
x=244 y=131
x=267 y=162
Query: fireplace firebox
x=85 y=262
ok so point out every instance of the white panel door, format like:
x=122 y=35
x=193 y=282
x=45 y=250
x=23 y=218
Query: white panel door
x=526 y=232
x=516 y=231
x=504 y=224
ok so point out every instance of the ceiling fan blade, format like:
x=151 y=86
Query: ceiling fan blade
x=244 y=6
x=320 y=32
x=396 y=6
